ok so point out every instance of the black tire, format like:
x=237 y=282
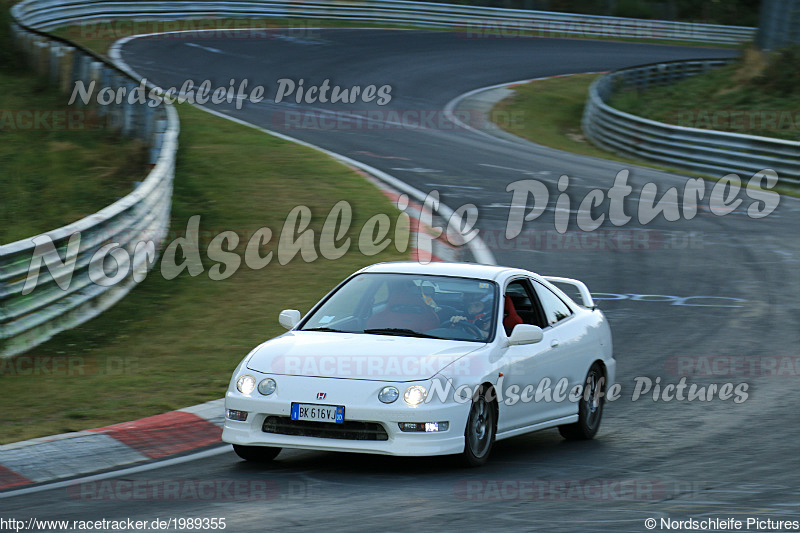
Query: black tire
x=590 y=407
x=480 y=431
x=256 y=454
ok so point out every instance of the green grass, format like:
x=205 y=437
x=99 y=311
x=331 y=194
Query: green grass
x=757 y=95
x=548 y=112
x=59 y=168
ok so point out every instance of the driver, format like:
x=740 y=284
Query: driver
x=477 y=313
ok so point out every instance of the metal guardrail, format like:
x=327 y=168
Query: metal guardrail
x=30 y=317
x=701 y=150
x=476 y=21
x=143 y=215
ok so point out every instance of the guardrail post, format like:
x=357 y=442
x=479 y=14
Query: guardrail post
x=129 y=111
x=98 y=73
x=146 y=123
x=42 y=56
x=56 y=53
x=158 y=140
x=81 y=71
x=115 y=112
x=67 y=68
x=26 y=45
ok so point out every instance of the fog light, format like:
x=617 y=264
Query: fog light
x=423 y=427
x=233 y=414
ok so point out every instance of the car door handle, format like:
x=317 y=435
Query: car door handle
x=554 y=343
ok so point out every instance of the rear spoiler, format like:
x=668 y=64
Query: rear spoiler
x=586 y=296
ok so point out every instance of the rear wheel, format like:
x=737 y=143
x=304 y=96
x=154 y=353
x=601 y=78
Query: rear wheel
x=257 y=454
x=480 y=432
x=590 y=408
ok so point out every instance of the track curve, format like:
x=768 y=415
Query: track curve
x=683 y=459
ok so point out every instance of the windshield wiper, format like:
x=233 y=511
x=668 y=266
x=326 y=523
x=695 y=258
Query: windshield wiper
x=402 y=332
x=326 y=329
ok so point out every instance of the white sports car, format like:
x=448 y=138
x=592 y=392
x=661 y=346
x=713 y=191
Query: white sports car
x=411 y=359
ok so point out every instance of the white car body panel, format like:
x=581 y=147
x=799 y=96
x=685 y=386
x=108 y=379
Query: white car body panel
x=323 y=354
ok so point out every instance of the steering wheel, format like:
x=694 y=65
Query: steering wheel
x=466 y=326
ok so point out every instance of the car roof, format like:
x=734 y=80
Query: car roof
x=445 y=268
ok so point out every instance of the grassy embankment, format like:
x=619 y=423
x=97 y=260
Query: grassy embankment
x=756 y=95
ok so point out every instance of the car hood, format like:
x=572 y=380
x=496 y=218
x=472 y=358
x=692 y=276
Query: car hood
x=358 y=356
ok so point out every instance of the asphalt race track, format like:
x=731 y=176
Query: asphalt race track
x=719 y=287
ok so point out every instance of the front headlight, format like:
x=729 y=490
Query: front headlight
x=246 y=384
x=414 y=395
x=267 y=386
x=388 y=394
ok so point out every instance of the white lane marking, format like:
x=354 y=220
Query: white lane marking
x=362 y=152
x=672 y=300
x=454 y=186
x=418 y=170
x=529 y=172
x=206 y=48
x=118 y=473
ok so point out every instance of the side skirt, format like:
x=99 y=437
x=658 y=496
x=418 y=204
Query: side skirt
x=536 y=427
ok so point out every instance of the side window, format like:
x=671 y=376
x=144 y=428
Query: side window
x=554 y=308
x=524 y=305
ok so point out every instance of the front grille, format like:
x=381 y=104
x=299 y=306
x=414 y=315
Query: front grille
x=349 y=430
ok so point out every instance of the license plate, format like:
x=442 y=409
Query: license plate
x=318 y=413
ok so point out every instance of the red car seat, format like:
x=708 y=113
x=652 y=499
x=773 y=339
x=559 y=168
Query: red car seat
x=405 y=310
x=511 y=317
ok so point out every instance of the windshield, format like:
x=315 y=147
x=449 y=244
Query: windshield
x=410 y=305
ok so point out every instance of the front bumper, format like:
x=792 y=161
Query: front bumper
x=360 y=400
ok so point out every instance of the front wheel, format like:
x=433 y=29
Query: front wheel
x=480 y=431
x=590 y=408
x=257 y=454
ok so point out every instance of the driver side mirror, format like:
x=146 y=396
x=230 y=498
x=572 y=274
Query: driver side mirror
x=525 y=334
x=289 y=318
